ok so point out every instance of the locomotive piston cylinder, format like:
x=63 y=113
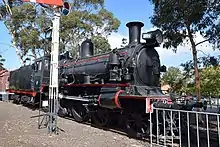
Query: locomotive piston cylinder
x=109 y=98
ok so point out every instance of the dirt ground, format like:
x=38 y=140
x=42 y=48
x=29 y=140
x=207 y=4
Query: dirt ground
x=18 y=129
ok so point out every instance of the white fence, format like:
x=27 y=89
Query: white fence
x=180 y=128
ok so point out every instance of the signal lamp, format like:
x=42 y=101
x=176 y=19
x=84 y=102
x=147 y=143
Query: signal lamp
x=65 y=10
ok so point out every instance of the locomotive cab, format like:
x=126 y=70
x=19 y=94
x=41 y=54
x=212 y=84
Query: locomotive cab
x=41 y=74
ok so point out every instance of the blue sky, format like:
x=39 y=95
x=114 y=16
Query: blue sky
x=125 y=11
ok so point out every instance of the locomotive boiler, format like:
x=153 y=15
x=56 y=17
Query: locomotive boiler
x=122 y=83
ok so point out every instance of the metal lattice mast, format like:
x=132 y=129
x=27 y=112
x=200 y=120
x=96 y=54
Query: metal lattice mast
x=53 y=88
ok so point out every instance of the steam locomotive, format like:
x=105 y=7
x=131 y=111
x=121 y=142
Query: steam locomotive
x=120 y=85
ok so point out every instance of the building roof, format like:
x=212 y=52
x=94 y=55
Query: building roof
x=3 y=72
x=165 y=87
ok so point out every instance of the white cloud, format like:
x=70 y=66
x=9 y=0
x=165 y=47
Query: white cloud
x=115 y=40
x=167 y=56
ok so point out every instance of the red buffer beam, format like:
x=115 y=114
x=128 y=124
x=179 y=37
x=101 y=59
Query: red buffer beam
x=49 y=2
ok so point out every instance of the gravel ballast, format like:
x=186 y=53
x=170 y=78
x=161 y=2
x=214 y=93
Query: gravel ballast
x=18 y=129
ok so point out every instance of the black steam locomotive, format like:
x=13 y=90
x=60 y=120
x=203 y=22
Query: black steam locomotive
x=123 y=83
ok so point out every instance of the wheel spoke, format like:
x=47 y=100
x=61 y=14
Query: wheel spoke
x=79 y=113
x=100 y=118
x=137 y=126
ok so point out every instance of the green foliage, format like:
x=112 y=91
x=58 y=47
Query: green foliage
x=26 y=28
x=180 y=18
x=183 y=81
x=210 y=78
x=101 y=44
x=209 y=74
x=210 y=81
x=203 y=62
x=81 y=24
x=189 y=89
x=174 y=78
x=88 y=19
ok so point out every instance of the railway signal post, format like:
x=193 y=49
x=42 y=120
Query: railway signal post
x=55 y=5
x=53 y=88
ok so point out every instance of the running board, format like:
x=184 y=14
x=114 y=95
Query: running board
x=76 y=98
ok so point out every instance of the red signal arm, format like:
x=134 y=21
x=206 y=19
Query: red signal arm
x=49 y=2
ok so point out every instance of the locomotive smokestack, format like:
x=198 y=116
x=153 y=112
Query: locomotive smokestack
x=134 y=31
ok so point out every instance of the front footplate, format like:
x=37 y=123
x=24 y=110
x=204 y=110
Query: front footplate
x=108 y=97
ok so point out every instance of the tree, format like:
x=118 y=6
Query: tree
x=28 y=22
x=25 y=27
x=83 y=23
x=203 y=62
x=182 y=19
x=173 y=77
x=208 y=67
x=210 y=81
x=5 y=14
x=101 y=44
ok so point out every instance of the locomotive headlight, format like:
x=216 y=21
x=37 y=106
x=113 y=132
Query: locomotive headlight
x=153 y=37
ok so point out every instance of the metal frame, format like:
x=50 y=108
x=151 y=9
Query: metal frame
x=51 y=116
x=196 y=125
x=53 y=88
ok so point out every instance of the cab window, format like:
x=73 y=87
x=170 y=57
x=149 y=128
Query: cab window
x=47 y=64
x=39 y=65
